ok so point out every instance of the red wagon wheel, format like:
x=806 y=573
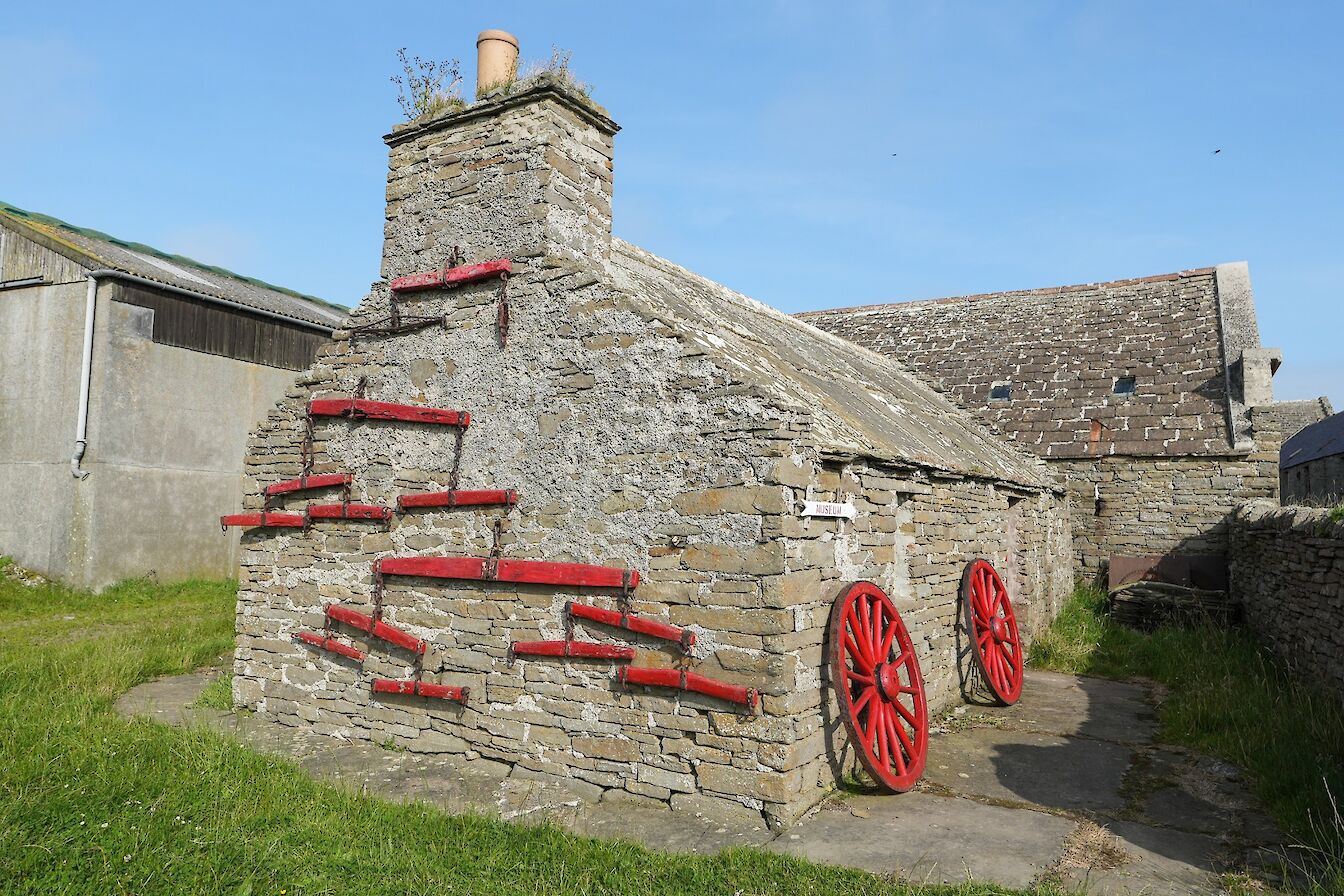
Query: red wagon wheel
x=995 y=644
x=876 y=679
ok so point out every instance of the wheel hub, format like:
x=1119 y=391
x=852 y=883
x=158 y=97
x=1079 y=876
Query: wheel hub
x=889 y=681
x=998 y=629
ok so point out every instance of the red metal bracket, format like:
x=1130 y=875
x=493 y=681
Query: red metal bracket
x=689 y=681
x=364 y=409
x=380 y=630
x=683 y=636
x=348 y=512
x=458 y=498
x=324 y=643
x=536 y=572
x=449 y=278
x=583 y=649
x=420 y=689
x=321 y=480
x=266 y=518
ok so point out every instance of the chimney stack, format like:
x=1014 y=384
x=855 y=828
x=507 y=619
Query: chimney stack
x=496 y=60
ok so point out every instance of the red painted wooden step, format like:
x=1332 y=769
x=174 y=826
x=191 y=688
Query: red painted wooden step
x=331 y=644
x=537 y=572
x=452 y=277
x=683 y=636
x=420 y=689
x=320 y=480
x=364 y=409
x=266 y=518
x=689 y=681
x=380 y=630
x=458 y=498
x=348 y=512
x=584 y=649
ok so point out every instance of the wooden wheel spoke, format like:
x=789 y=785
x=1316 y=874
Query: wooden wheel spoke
x=900 y=747
x=858 y=643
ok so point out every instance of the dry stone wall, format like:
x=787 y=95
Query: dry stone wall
x=631 y=445
x=1287 y=570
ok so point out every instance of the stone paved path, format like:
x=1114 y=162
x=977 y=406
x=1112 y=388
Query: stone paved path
x=1066 y=785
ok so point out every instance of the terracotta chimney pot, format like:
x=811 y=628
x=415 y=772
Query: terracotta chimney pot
x=496 y=60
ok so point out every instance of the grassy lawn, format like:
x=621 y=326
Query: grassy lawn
x=91 y=803
x=1228 y=697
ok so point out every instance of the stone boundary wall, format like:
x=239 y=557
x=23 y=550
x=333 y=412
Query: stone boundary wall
x=1287 y=569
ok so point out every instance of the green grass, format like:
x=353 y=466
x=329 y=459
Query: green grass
x=92 y=803
x=1227 y=696
x=218 y=694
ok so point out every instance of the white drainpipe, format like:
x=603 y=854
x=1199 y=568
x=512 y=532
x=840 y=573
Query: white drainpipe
x=85 y=374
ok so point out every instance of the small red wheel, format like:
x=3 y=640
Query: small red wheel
x=876 y=679
x=995 y=644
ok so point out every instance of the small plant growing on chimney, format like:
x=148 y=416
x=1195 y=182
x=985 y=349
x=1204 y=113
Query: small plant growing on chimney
x=428 y=88
x=556 y=70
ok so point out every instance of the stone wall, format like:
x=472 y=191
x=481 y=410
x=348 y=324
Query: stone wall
x=1152 y=506
x=1319 y=482
x=633 y=441
x=1287 y=570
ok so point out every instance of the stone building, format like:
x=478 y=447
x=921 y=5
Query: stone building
x=1294 y=416
x=129 y=380
x=627 y=413
x=1311 y=465
x=1149 y=397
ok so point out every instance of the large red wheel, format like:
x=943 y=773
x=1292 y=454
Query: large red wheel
x=992 y=627
x=876 y=679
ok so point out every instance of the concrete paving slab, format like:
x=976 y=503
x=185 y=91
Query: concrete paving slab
x=1078 y=706
x=1161 y=862
x=664 y=829
x=1023 y=767
x=929 y=838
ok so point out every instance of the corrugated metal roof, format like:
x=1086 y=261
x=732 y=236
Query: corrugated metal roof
x=1323 y=439
x=97 y=249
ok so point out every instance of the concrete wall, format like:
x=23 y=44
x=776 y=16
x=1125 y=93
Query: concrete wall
x=167 y=430
x=41 y=334
x=1287 y=570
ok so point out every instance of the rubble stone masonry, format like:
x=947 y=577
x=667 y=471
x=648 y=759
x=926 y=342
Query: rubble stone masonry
x=1287 y=570
x=631 y=444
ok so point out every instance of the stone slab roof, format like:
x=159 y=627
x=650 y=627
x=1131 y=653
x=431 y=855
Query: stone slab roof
x=1325 y=438
x=1062 y=352
x=860 y=402
x=1295 y=416
x=94 y=249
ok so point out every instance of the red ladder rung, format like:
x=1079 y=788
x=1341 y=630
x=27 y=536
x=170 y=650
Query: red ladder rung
x=683 y=636
x=320 y=480
x=583 y=649
x=265 y=519
x=447 y=279
x=420 y=689
x=348 y=512
x=458 y=498
x=689 y=681
x=533 y=572
x=364 y=409
x=324 y=643
x=380 y=630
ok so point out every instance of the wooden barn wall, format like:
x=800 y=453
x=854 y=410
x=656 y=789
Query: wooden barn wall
x=205 y=327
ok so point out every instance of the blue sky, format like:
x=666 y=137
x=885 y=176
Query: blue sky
x=811 y=155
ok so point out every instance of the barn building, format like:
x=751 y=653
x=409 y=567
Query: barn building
x=1152 y=399
x=553 y=501
x=130 y=381
x=1312 y=464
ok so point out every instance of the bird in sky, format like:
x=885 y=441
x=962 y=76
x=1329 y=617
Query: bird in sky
x=1216 y=151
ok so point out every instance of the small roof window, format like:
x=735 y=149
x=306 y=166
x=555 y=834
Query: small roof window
x=1000 y=391
x=1125 y=385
